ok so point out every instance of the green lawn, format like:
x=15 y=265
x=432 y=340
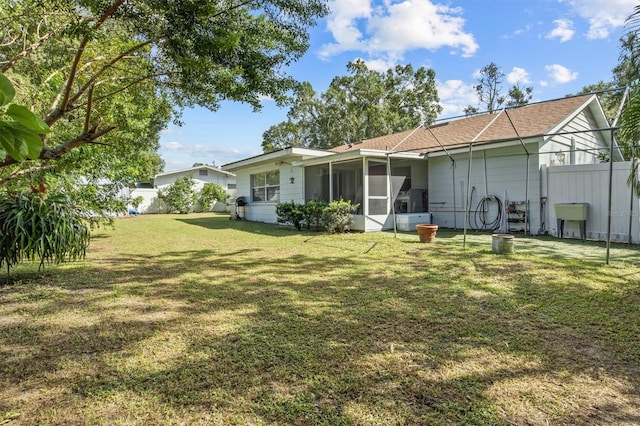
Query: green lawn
x=196 y=319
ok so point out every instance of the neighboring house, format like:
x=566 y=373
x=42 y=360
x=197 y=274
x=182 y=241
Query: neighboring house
x=200 y=175
x=425 y=174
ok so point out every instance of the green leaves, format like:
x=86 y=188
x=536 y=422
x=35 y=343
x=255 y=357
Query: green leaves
x=363 y=105
x=6 y=90
x=19 y=137
x=25 y=117
x=34 y=226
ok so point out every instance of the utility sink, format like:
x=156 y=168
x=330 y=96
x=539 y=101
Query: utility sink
x=572 y=211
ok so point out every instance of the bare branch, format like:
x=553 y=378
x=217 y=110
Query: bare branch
x=26 y=51
x=87 y=118
x=22 y=172
x=76 y=60
x=106 y=67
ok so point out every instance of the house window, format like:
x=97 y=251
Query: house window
x=203 y=172
x=265 y=186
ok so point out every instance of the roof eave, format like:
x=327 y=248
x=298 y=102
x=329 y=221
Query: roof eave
x=282 y=154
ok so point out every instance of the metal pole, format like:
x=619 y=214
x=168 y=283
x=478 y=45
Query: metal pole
x=631 y=215
x=609 y=201
x=453 y=164
x=455 y=213
x=393 y=204
x=526 y=186
x=466 y=201
x=526 y=199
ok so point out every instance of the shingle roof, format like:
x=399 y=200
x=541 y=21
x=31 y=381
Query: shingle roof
x=530 y=120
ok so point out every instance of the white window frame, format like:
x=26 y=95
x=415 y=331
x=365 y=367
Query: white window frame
x=267 y=187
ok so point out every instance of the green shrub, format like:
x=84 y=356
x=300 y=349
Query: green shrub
x=179 y=196
x=337 y=216
x=334 y=217
x=313 y=214
x=34 y=225
x=136 y=201
x=291 y=213
x=209 y=193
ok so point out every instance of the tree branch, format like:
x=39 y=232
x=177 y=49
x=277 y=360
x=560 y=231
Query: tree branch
x=76 y=59
x=105 y=68
x=22 y=172
x=59 y=151
x=87 y=118
x=25 y=52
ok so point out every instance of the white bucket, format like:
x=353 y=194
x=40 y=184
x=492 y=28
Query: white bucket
x=502 y=243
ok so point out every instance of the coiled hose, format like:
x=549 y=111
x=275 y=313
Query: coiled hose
x=481 y=220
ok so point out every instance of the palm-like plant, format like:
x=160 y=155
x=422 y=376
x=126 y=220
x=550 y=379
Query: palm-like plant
x=37 y=226
x=629 y=134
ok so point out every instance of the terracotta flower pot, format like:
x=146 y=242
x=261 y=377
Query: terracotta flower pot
x=427 y=233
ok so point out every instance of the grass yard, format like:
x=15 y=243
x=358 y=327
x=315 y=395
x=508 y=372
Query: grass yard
x=196 y=319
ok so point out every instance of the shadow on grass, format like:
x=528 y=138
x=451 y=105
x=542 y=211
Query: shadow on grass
x=430 y=335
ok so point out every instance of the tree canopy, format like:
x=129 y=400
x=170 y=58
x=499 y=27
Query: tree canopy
x=362 y=105
x=489 y=91
x=107 y=76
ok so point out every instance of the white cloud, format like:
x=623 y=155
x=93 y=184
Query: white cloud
x=198 y=150
x=518 y=75
x=390 y=29
x=380 y=65
x=604 y=16
x=560 y=74
x=171 y=145
x=455 y=96
x=343 y=25
x=563 y=31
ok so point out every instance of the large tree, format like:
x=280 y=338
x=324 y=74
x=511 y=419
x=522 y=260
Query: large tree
x=106 y=76
x=489 y=91
x=362 y=105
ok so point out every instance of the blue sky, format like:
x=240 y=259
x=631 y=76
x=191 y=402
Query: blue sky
x=555 y=46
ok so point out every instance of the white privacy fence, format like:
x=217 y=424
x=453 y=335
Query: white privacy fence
x=589 y=183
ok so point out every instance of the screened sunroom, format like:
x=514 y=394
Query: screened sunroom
x=380 y=185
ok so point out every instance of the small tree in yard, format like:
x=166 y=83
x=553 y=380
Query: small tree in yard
x=35 y=225
x=209 y=194
x=179 y=196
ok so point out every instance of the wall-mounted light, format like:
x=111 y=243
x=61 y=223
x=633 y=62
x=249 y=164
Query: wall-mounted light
x=560 y=157
x=292 y=180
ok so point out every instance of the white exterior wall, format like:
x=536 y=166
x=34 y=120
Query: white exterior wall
x=262 y=211
x=150 y=201
x=501 y=172
x=590 y=184
x=199 y=181
x=578 y=148
x=152 y=204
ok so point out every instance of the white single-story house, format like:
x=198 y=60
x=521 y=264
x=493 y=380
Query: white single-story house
x=425 y=174
x=200 y=174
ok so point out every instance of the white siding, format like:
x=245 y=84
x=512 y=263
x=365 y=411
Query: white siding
x=500 y=172
x=266 y=211
x=578 y=148
x=590 y=184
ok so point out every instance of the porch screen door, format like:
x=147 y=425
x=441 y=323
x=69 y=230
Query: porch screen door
x=378 y=191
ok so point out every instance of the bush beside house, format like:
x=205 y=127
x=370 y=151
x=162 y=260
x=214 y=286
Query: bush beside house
x=334 y=217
